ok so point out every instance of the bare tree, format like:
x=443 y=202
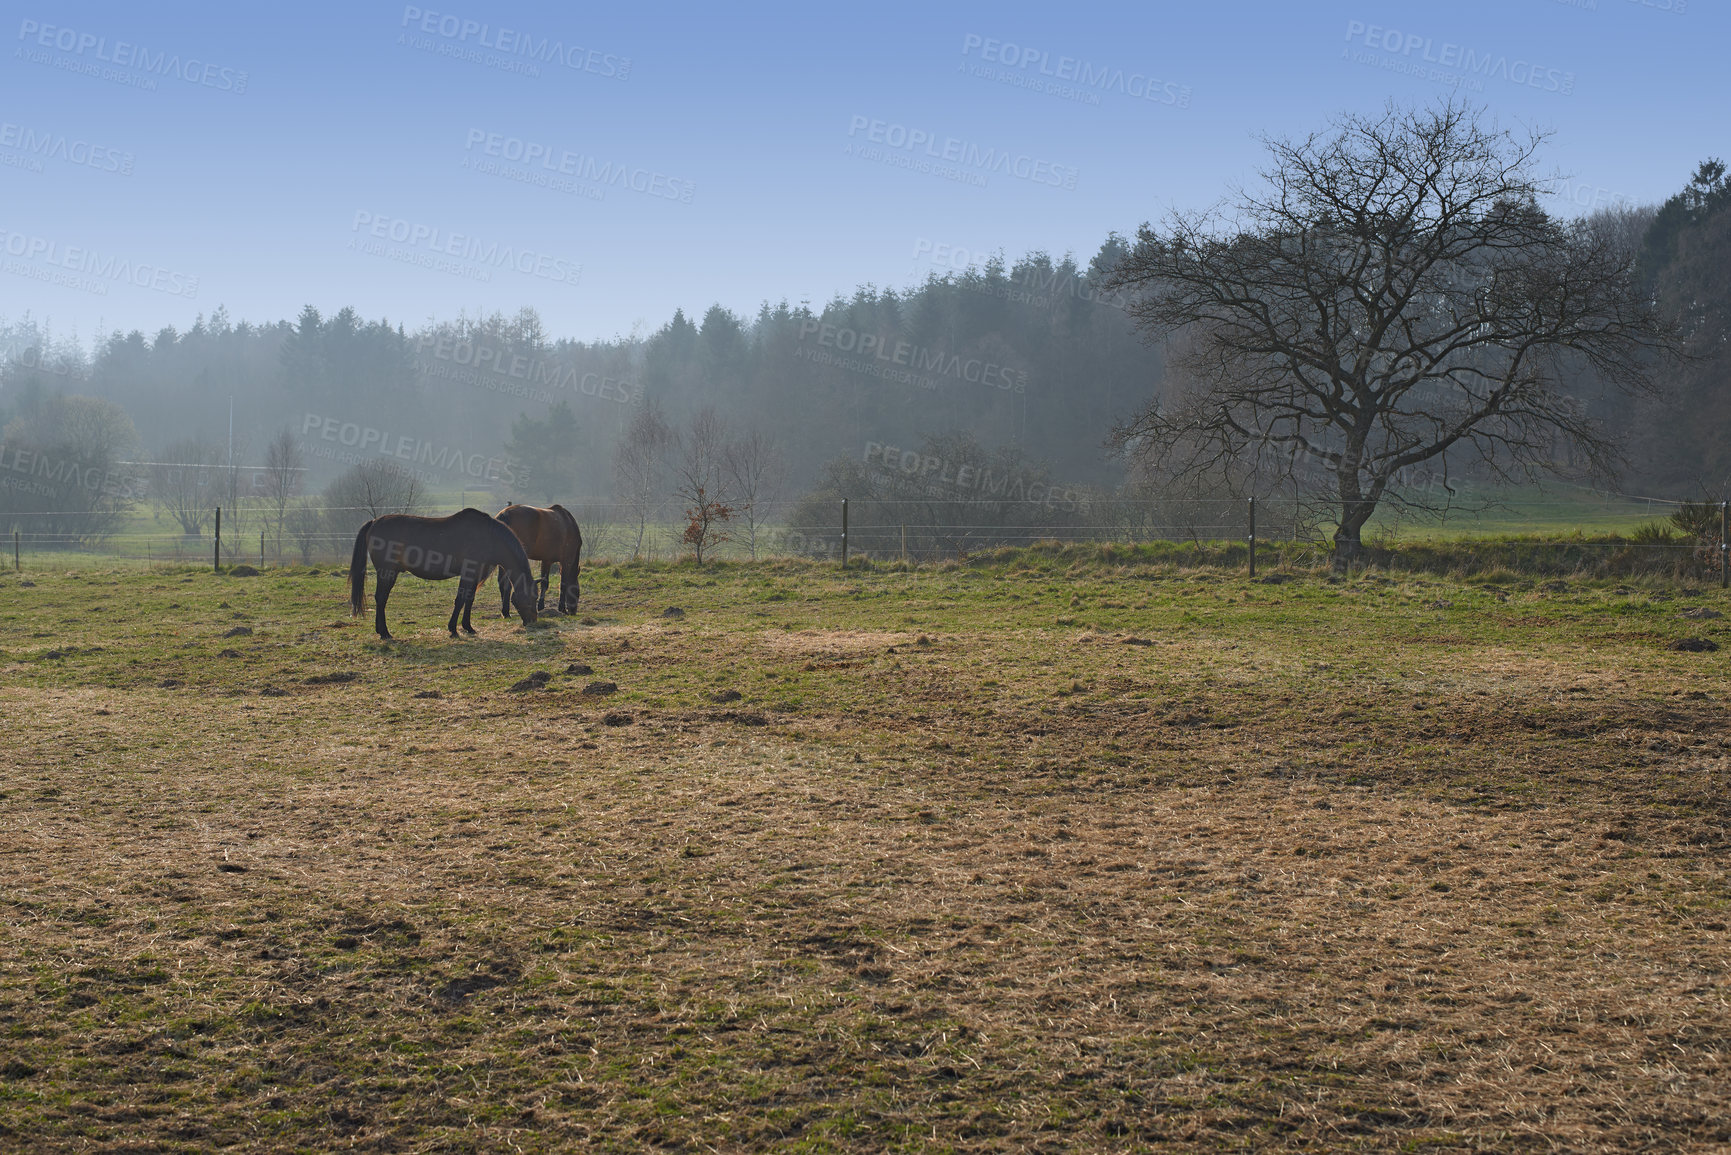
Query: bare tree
x=309 y=528
x=1394 y=295
x=369 y=490
x=284 y=466
x=1624 y=225
x=705 y=522
x=184 y=482
x=598 y=522
x=755 y=470
x=700 y=482
x=639 y=468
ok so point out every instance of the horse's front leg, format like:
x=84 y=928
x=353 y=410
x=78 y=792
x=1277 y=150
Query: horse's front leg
x=546 y=578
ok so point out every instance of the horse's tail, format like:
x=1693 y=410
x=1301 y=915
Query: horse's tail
x=576 y=536
x=358 y=573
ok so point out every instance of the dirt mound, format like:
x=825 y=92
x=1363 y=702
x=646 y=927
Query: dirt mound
x=533 y=682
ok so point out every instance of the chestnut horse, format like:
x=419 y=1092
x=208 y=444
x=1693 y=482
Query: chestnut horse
x=551 y=537
x=466 y=546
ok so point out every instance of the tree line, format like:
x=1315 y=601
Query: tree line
x=1017 y=397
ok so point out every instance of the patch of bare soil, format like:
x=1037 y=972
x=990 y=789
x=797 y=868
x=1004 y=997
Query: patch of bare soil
x=831 y=644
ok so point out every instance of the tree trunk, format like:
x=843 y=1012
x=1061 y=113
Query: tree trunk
x=1348 y=548
x=1355 y=510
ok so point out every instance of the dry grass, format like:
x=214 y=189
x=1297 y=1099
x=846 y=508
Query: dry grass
x=1020 y=887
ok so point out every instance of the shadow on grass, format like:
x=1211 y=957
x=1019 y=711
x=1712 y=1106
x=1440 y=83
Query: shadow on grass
x=443 y=650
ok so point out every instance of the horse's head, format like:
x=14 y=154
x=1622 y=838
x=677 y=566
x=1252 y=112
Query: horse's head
x=523 y=595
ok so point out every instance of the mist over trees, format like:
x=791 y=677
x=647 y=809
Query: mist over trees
x=492 y=408
x=60 y=464
x=947 y=495
x=1022 y=352
x=1014 y=370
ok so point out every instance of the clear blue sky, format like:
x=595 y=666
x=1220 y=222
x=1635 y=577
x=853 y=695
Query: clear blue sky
x=408 y=160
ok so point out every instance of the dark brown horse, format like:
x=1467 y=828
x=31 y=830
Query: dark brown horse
x=466 y=546
x=551 y=537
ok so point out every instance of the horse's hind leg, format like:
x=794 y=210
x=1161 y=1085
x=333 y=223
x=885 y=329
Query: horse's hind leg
x=468 y=604
x=381 y=592
x=465 y=597
x=575 y=566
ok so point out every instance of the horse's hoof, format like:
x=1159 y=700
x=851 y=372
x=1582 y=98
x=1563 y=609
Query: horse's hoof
x=469 y=630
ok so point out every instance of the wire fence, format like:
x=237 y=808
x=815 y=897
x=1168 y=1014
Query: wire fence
x=908 y=529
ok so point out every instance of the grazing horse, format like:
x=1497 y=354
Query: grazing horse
x=465 y=546
x=549 y=536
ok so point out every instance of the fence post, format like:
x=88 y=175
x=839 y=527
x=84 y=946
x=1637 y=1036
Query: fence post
x=261 y=549
x=844 y=533
x=216 y=556
x=904 y=545
x=1252 y=537
x=16 y=564
x=1724 y=546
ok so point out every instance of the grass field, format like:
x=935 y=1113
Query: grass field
x=1557 y=512
x=1046 y=854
